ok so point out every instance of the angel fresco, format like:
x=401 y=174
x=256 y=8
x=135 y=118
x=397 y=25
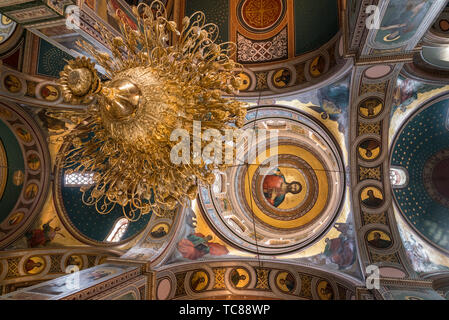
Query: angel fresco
x=41 y=237
x=196 y=245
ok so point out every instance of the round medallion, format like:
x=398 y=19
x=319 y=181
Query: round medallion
x=325 y=290
x=288 y=190
x=12 y=83
x=16 y=218
x=159 y=231
x=369 y=149
x=378 y=71
x=379 y=239
x=75 y=260
x=260 y=15
x=49 y=92
x=34 y=265
x=317 y=66
x=282 y=78
x=286 y=282
x=31 y=191
x=163 y=289
x=24 y=135
x=199 y=280
x=372 y=197
x=33 y=161
x=370 y=108
x=239 y=278
x=245 y=81
x=18 y=177
x=444 y=25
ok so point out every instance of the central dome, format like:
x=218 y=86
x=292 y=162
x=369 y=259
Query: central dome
x=286 y=197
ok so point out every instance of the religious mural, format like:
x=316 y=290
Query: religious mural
x=196 y=245
x=401 y=21
x=42 y=236
x=408 y=90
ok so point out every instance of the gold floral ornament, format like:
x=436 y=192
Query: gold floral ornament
x=162 y=78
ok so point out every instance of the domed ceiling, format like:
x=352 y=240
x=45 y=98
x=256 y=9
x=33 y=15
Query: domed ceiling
x=83 y=220
x=422 y=149
x=284 y=198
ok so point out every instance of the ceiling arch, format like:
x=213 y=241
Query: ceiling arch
x=24 y=176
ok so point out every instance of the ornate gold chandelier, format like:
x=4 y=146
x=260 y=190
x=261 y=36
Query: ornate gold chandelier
x=162 y=78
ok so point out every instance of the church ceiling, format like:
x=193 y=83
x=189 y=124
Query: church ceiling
x=295 y=79
x=271 y=30
x=222 y=215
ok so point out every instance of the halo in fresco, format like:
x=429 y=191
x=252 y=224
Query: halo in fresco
x=379 y=239
x=34 y=265
x=12 y=83
x=239 y=278
x=369 y=149
x=199 y=280
x=286 y=282
x=282 y=78
x=325 y=290
x=245 y=81
x=372 y=197
x=75 y=260
x=160 y=230
x=371 y=107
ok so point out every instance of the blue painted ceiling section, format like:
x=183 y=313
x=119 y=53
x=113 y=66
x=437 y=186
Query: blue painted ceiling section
x=90 y=223
x=216 y=12
x=15 y=162
x=422 y=137
x=316 y=22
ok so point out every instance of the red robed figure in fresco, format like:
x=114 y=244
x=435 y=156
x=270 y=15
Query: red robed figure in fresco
x=197 y=245
x=275 y=187
x=40 y=237
x=340 y=251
